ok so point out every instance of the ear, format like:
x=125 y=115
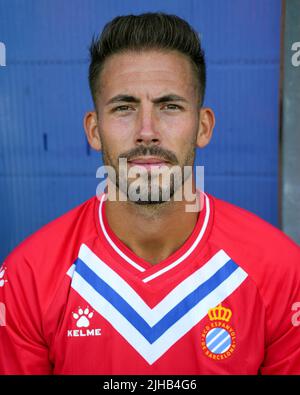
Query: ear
x=206 y=126
x=90 y=124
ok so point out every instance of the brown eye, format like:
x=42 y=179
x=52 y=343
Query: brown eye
x=171 y=107
x=123 y=108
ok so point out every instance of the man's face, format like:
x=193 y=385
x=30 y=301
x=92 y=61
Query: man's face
x=148 y=112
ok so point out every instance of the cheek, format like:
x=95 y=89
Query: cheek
x=181 y=134
x=116 y=136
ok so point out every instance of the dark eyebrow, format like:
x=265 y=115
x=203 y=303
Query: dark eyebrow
x=132 y=99
x=123 y=98
x=169 y=98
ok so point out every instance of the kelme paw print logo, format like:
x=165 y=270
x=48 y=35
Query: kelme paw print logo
x=2 y=273
x=83 y=317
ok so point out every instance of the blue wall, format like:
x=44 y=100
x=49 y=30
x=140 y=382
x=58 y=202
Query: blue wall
x=46 y=167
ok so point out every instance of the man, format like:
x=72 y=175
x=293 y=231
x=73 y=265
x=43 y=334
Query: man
x=137 y=282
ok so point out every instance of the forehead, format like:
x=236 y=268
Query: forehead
x=151 y=70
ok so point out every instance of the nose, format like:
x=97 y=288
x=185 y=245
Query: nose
x=147 y=128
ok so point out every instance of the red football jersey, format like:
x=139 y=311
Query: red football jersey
x=75 y=300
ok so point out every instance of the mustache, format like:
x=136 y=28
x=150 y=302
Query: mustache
x=156 y=151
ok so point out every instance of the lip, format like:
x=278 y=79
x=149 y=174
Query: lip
x=148 y=162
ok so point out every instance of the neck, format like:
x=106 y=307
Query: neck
x=152 y=232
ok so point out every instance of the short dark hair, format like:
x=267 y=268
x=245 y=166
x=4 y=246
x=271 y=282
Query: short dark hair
x=145 y=32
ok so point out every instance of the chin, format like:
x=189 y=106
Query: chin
x=151 y=202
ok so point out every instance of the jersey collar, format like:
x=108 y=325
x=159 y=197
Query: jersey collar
x=145 y=270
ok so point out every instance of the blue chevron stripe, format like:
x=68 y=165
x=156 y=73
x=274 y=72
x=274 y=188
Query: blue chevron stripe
x=153 y=333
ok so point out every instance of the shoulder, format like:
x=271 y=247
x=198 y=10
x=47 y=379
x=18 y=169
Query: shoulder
x=56 y=243
x=257 y=246
x=251 y=231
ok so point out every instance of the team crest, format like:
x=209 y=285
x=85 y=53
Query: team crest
x=218 y=339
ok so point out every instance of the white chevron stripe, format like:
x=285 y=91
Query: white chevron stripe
x=151 y=352
x=71 y=270
x=171 y=265
x=152 y=316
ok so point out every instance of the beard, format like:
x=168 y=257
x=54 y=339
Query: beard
x=150 y=187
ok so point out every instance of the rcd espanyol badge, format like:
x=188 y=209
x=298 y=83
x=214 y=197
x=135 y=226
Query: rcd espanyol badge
x=218 y=338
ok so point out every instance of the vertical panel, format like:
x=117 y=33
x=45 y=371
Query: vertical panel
x=291 y=122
